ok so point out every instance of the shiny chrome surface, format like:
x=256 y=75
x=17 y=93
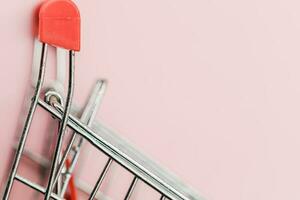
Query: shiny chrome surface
x=123 y=153
x=27 y=124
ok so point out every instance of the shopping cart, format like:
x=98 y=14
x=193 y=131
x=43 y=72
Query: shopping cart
x=59 y=26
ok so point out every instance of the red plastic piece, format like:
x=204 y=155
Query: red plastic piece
x=72 y=193
x=59 y=24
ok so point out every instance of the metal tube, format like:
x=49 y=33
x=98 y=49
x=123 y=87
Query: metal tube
x=151 y=174
x=62 y=127
x=131 y=188
x=57 y=188
x=22 y=141
x=40 y=160
x=163 y=197
x=63 y=160
x=97 y=142
x=86 y=189
x=100 y=180
x=87 y=117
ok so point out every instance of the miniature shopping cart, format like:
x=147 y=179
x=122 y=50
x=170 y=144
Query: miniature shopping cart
x=59 y=26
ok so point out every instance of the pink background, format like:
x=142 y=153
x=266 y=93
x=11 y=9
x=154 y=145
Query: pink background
x=210 y=89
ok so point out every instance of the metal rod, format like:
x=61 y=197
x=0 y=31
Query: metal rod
x=80 y=185
x=27 y=124
x=163 y=197
x=36 y=187
x=131 y=188
x=62 y=127
x=63 y=160
x=40 y=160
x=86 y=189
x=59 y=180
x=100 y=180
x=151 y=174
x=87 y=117
x=97 y=142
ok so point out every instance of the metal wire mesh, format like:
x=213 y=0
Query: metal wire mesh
x=86 y=130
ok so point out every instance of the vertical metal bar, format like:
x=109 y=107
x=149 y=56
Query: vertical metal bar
x=87 y=117
x=59 y=180
x=36 y=158
x=22 y=141
x=131 y=188
x=86 y=189
x=100 y=180
x=163 y=197
x=62 y=127
x=63 y=160
x=151 y=174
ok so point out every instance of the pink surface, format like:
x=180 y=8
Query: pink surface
x=210 y=89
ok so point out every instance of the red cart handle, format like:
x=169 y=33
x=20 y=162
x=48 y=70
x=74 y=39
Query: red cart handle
x=59 y=24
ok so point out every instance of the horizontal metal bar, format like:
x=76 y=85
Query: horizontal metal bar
x=124 y=154
x=36 y=187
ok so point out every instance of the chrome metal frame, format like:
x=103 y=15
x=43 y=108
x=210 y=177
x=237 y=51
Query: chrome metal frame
x=127 y=156
x=117 y=149
x=22 y=141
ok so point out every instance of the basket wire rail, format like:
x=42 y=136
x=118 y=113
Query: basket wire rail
x=84 y=128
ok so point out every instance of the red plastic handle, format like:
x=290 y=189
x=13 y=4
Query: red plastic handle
x=59 y=24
